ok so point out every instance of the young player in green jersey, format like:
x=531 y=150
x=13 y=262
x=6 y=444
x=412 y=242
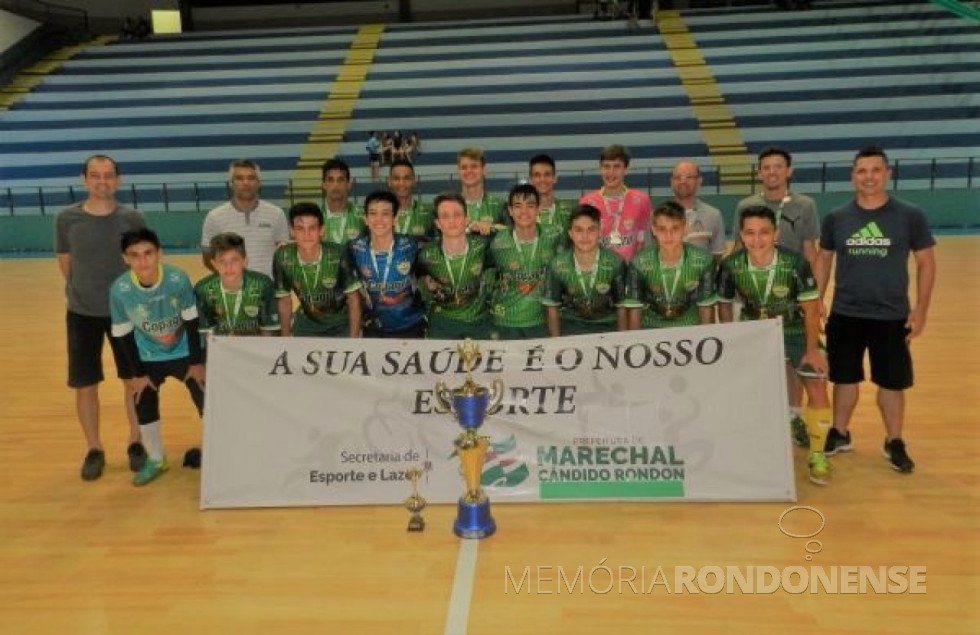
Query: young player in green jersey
x=452 y=270
x=322 y=277
x=774 y=281
x=235 y=301
x=484 y=210
x=154 y=319
x=671 y=283
x=586 y=285
x=414 y=218
x=343 y=220
x=521 y=257
x=544 y=177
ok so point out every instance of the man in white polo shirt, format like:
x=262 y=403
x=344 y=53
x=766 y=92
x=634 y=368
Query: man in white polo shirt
x=260 y=223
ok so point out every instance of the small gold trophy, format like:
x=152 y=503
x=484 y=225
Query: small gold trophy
x=469 y=404
x=415 y=503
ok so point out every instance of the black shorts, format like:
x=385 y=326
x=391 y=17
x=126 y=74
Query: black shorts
x=148 y=403
x=86 y=336
x=888 y=352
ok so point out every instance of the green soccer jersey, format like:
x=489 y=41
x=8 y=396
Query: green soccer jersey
x=417 y=221
x=343 y=228
x=557 y=215
x=588 y=298
x=321 y=286
x=489 y=209
x=670 y=296
x=771 y=291
x=462 y=293
x=245 y=311
x=522 y=270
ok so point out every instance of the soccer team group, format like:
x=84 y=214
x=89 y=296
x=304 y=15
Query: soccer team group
x=475 y=265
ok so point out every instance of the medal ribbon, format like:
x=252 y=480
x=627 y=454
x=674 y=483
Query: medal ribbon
x=232 y=315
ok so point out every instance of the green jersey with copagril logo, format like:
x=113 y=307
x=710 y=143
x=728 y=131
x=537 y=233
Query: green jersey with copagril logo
x=248 y=310
x=588 y=298
x=343 y=228
x=670 y=296
x=522 y=269
x=321 y=286
x=776 y=289
x=461 y=295
x=417 y=221
x=557 y=215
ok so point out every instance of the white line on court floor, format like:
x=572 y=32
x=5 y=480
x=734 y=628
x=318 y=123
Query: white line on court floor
x=459 y=601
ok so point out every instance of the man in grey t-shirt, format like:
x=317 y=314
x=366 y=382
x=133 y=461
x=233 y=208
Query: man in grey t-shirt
x=871 y=238
x=87 y=240
x=705 y=227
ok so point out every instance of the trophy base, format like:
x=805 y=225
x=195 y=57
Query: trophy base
x=473 y=520
x=416 y=523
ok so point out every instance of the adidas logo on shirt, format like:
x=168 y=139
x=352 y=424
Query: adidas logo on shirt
x=869 y=236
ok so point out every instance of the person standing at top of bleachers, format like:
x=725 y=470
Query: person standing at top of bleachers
x=704 y=227
x=625 y=211
x=343 y=220
x=262 y=224
x=483 y=209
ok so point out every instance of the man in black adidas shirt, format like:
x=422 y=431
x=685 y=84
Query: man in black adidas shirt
x=872 y=237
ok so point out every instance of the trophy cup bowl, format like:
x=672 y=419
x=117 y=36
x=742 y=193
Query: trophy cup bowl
x=469 y=404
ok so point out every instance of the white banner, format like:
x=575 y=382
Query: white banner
x=694 y=413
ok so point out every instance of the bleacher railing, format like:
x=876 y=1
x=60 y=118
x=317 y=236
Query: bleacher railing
x=907 y=174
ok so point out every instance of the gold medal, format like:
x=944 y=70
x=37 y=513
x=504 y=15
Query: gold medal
x=763 y=314
x=670 y=313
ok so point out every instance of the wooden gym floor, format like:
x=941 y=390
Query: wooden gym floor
x=104 y=557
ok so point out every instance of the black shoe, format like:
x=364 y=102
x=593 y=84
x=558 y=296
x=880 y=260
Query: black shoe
x=137 y=456
x=93 y=465
x=837 y=442
x=898 y=458
x=192 y=458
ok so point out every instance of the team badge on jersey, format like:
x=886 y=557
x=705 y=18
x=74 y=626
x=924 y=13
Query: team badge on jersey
x=780 y=291
x=476 y=268
x=328 y=282
x=602 y=288
x=691 y=285
x=513 y=264
x=251 y=311
x=404 y=267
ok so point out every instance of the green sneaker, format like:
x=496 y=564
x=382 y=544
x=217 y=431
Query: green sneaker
x=819 y=469
x=798 y=431
x=150 y=471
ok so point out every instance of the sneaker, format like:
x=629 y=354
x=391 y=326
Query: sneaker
x=192 y=458
x=798 y=431
x=898 y=458
x=819 y=469
x=93 y=465
x=837 y=442
x=137 y=456
x=150 y=471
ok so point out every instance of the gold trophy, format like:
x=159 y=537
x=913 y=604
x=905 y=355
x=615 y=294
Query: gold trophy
x=469 y=404
x=415 y=503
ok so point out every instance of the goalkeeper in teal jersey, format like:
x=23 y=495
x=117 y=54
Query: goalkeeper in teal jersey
x=414 y=218
x=671 y=283
x=772 y=282
x=521 y=257
x=586 y=285
x=320 y=274
x=154 y=320
x=453 y=273
x=343 y=220
x=235 y=301
x=485 y=211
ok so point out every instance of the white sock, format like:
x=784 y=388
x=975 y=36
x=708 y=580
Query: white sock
x=795 y=412
x=151 y=440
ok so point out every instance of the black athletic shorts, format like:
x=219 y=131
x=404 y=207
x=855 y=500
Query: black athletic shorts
x=148 y=403
x=86 y=336
x=849 y=337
